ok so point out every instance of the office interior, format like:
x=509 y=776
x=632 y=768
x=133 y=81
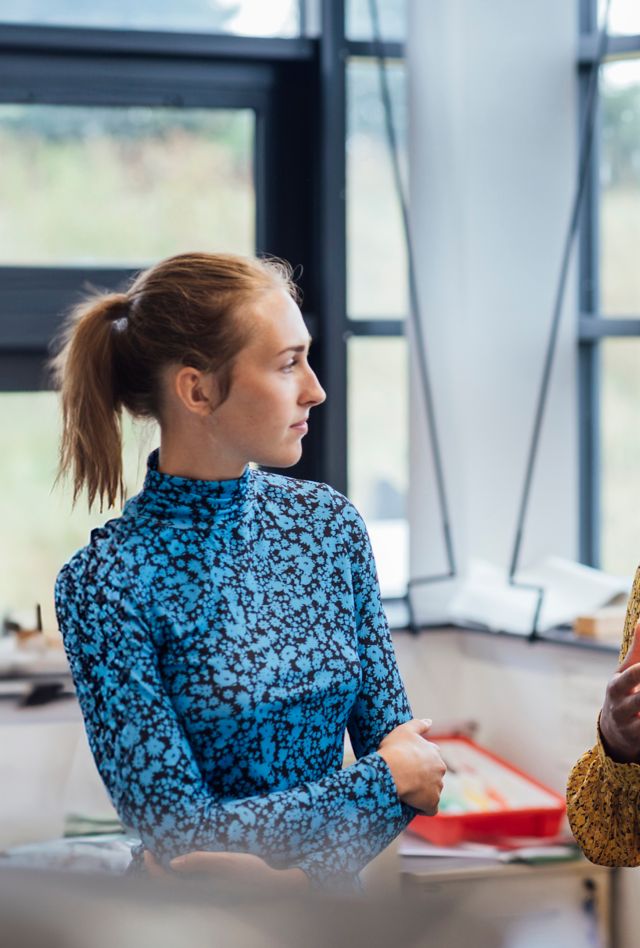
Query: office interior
x=419 y=163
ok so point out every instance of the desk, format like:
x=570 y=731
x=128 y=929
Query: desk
x=571 y=899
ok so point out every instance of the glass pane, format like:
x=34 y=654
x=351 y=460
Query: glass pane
x=123 y=186
x=376 y=256
x=624 y=16
x=39 y=528
x=392 y=17
x=379 y=450
x=620 y=189
x=248 y=17
x=620 y=464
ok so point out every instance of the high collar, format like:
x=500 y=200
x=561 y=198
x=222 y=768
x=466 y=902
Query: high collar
x=189 y=501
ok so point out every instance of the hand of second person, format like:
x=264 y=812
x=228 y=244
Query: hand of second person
x=416 y=765
x=234 y=867
x=619 y=719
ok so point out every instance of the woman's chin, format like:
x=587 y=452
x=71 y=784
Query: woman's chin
x=286 y=458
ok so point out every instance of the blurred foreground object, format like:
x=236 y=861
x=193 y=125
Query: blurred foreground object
x=75 y=911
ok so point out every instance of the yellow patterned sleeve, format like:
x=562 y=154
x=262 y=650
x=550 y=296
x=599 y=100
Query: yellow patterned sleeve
x=603 y=795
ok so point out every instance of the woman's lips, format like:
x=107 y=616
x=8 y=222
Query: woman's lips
x=301 y=426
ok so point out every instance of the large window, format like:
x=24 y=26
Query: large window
x=132 y=131
x=610 y=295
x=377 y=295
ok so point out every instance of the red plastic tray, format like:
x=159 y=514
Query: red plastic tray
x=446 y=829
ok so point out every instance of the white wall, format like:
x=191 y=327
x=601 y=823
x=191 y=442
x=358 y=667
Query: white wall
x=493 y=95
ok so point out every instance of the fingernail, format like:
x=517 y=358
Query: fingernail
x=427 y=721
x=178 y=861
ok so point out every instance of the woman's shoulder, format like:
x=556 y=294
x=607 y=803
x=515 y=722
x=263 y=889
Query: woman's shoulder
x=287 y=490
x=106 y=558
x=296 y=496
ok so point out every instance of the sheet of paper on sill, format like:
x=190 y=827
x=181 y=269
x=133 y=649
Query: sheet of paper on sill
x=485 y=597
x=411 y=844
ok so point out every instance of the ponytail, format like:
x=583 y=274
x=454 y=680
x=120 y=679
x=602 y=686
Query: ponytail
x=83 y=370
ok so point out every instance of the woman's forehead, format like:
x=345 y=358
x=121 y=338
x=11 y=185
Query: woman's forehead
x=277 y=324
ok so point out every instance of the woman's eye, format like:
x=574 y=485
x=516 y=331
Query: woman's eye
x=290 y=365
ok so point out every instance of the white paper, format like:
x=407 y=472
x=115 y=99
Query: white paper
x=485 y=596
x=410 y=844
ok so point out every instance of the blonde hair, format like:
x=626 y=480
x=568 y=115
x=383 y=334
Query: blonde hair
x=113 y=348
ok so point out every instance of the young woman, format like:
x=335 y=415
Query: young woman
x=227 y=627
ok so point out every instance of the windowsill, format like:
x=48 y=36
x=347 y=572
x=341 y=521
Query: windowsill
x=559 y=636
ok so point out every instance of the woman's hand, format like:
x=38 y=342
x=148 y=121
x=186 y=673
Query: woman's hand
x=619 y=719
x=234 y=867
x=415 y=764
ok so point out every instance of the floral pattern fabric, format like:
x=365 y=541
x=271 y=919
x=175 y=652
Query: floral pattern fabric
x=222 y=635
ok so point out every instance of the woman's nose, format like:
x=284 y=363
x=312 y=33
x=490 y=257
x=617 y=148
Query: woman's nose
x=314 y=393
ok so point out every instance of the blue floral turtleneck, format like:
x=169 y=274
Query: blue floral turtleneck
x=222 y=635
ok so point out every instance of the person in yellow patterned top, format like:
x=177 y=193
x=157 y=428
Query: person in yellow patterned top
x=603 y=791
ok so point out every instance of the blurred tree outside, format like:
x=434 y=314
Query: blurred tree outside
x=620 y=159
x=392 y=15
x=213 y=15
x=126 y=186
x=376 y=256
x=243 y=17
x=620 y=296
x=96 y=186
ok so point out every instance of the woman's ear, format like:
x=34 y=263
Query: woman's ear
x=196 y=391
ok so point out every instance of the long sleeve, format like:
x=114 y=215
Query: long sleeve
x=150 y=771
x=381 y=706
x=602 y=795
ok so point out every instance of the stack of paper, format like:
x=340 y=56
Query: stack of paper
x=485 y=597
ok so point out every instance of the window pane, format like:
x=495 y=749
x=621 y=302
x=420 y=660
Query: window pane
x=248 y=17
x=376 y=256
x=620 y=432
x=123 y=186
x=624 y=17
x=378 y=451
x=39 y=528
x=392 y=16
x=620 y=189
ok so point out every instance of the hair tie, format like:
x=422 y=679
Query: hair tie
x=121 y=323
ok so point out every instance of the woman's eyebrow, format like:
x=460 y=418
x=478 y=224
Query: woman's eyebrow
x=296 y=348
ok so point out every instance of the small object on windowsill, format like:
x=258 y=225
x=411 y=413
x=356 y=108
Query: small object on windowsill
x=31 y=637
x=45 y=693
x=604 y=624
x=26 y=649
